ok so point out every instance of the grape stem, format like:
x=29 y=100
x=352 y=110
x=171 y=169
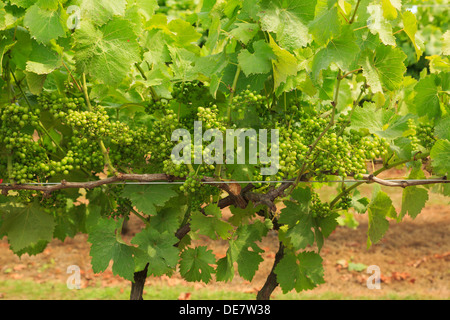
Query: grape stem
x=354 y=13
x=372 y=178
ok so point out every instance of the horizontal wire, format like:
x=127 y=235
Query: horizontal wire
x=225 y=182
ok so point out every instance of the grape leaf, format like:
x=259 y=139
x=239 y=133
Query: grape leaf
x=23 y=3
x=244 y=32
x=106 y=53
x=390 y=8
x=285 y=64
x=441 y=128
x=211 y=224
x=378 y=25
x=341 y=50
x=106 y=247
x=157 y=249
x=288 y=20
x=45 y=25
x=440 y=155
x=260 y=61
x=195 y=264
x=427 y=98
x=242 y=216
x=379 y=208
x=300 y=272
x=383 y=68
x=43 y=60
x=100 y=11
x=410 y=27
x=147 y=197
x=325 y=26
x=26 y=226
x=413 y=201
x=245 y=238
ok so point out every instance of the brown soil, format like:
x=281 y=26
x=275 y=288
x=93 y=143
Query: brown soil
x=414 y=259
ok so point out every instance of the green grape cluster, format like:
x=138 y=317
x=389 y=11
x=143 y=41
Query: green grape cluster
x=210 y=118
x=161 y=134
x=175 y=169
x=58 y=106
x=89 y=123
x=319 y=209
x=190 y=93
x=198 y=192
x=421 y=135
x=155 y=106
x=26 y=155
x=345 y=202
x=15 y=117
x=192 y=183
x=84 y=154
x=252 y=99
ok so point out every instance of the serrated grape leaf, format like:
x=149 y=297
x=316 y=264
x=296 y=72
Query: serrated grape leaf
x=184 y=33
x=427 y=98
x=183 y=64
x=300 y=272
x=440 y=155
x=35 y=82
x=23 y=3
x=288 y=19
x=383 y=68
x=168 y=218
x=384 y=123
x=248 y=261
x=45 y=25
x=211 y=226
x=413 y=201
x=5 y=45
x=390 y=8
x=341 y=50
x=245 y=32
x=379 y=25
x=6 y=19
x=26 y=226
x=33 y=249
x=379 y=208
x=441 y=128
x=100 y=11
x=410 y=27
x=292 y=213
x=260 y=61
x=284 y=65
x=242 y=216
x=327 y=224
x=157 y=249
x=147 y=197
x=156 y=43
x=195 y=264
x=325 y=26
x=105 y=248
x=106 y=53
x=43 y=60
x=145 y=7
x=225 y=268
